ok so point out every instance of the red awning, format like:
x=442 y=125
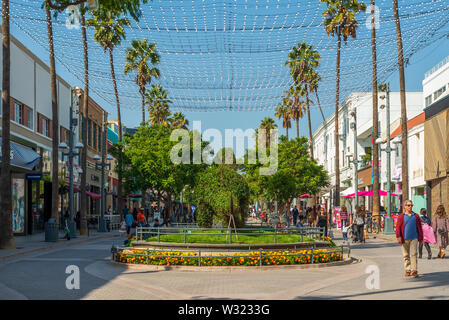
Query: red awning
x=76 y=189
x=93 y=195
x=135 y=195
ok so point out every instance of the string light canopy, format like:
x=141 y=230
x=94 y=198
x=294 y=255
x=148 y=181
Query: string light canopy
x=219 y=55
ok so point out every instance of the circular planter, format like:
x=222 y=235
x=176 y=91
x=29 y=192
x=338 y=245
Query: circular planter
x=218 y=246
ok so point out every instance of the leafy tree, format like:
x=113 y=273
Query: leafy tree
x=179 y=121
x=220 y=193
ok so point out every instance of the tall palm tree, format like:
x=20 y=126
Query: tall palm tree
x=109 y=33
x=298 y=105
x=85 y=111
x=376 y=196
x=55 y=118
x=138 y=57
x=405 y=194
x=179 y=121
x=284 y=111
x=6 y=232
x=268 y=124
x=303 y=60
x=158 y=105
x=340 y=20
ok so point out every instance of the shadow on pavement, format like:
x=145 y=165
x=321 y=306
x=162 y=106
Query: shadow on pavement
x=432 y=280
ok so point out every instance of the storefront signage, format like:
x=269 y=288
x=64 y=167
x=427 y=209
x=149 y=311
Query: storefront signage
x=34 y=176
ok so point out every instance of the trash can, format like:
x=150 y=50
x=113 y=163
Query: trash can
x=51 y=231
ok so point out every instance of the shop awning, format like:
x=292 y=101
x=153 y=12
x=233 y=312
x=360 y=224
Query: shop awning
x=93 y=195
x=22 y=156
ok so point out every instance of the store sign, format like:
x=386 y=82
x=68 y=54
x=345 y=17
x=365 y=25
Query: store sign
x=34 y=176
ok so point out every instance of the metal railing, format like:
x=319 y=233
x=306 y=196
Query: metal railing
x=148 y=232
x=116 y=251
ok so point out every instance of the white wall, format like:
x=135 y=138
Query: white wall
x=436 y=81
x=22 y=76
x=64 y=101
x=43 y=92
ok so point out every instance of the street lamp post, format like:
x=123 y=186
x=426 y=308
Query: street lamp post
x=100 y=167
x=388 y=224
x=355 y=160
x=75 y=94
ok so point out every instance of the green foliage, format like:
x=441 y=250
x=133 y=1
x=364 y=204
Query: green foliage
x=215 y=188
x=296 y=173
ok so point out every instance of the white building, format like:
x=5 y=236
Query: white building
x=436 y=83
x=324 y=144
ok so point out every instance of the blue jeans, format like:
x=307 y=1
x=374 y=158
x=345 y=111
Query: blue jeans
x=345 y=236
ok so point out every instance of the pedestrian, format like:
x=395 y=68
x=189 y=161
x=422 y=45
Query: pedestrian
x=359 y=224
x=141 y=219
x=344 y=217
x=135 y=213
x=109 y=210
x=295 y=214
x=345 y=232
x=409 y=235
x=125 y=211
x=129 y=221
x=426 y=225
x=322 y=220
x=440 y=225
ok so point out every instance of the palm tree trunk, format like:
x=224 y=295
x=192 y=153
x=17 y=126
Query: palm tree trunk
x=405 y=195
x=6 y=232
x=83 y=198
x=310 y=123
x=286 y=129
x=337 y=141
x=119 y=118
x=142 y=93
x=319 y=105
x=297 y=127
x=55 y=120
x=376 y=197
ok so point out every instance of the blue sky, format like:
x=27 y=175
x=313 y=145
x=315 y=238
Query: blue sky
x=234 y=67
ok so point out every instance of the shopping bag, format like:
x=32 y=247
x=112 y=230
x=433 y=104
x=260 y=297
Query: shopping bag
x=428 y=234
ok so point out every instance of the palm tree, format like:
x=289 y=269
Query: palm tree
x=109 y=32
x=138 y=56
x=302 y=61
x=6 y=232
x=340 y=21
x=179 y=121
x=55 y=118
x=376 y=196
x=298 y=105
x=284 y=111
x=83 y=201
x=158 y=105
x=268 y=124
x=403 y=102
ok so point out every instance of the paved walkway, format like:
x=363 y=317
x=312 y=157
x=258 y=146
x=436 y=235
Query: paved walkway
x=36 y=242
x=42 y=275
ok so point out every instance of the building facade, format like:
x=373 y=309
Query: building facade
x=436 y=166
x=324 y=145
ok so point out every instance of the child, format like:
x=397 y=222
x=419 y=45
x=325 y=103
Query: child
x=345 y=233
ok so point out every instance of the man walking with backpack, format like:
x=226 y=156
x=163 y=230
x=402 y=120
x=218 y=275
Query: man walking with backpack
x=409 y=234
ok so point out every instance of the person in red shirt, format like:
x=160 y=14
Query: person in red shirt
x=141 y=219
x=409 y=234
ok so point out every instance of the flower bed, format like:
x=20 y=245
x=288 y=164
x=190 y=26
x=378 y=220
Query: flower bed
x=252 y=258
